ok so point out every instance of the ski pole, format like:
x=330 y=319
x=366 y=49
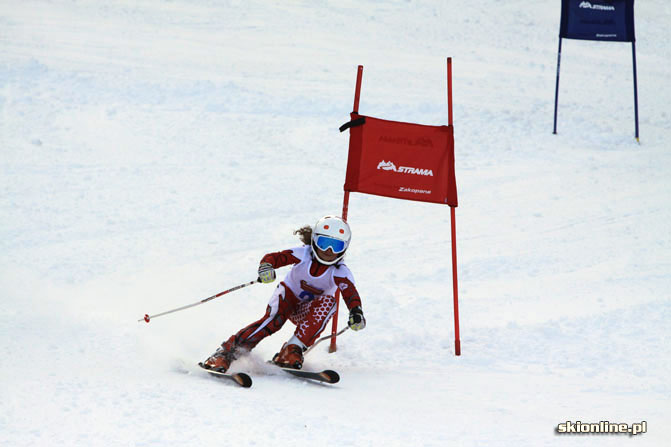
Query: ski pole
x=325 y=338
x=148 y=317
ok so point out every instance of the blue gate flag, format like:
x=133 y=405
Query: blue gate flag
x=606 y=20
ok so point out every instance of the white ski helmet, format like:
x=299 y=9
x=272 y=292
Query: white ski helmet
x=331 y=232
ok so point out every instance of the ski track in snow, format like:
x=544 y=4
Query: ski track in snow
x=152 y=152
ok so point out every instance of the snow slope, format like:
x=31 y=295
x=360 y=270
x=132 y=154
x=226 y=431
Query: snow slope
x=153 y=151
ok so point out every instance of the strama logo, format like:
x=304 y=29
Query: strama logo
x=588 y=5
x=390 y=166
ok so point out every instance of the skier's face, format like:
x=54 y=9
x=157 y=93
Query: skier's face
x=327 y=255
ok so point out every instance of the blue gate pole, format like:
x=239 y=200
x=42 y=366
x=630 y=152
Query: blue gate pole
x=554 y=131
x=633 y=53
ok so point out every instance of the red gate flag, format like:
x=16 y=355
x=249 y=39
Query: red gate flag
x=401 y=160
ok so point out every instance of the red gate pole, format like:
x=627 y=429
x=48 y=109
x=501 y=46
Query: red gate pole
x=453 y=222
x=457 y=340
x=449 y=91
x=345 y=208
x=357 y=92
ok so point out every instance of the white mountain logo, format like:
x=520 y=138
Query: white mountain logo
x=387 y=166
x=588 y=5
x=390 y=166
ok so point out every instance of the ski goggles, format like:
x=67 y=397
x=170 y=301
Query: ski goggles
x=326 y=242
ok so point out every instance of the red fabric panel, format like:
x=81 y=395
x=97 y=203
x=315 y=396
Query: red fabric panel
x=402 y=160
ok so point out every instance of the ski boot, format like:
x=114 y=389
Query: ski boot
x=221 y=359
x=290 y=356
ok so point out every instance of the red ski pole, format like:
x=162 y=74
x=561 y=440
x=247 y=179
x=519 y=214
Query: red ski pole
x=148 y=317
x=326 y=338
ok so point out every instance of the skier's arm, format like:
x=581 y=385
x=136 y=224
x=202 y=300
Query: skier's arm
x=346 y=285
x=280 y=258
x=349 y=292
x=271 y=261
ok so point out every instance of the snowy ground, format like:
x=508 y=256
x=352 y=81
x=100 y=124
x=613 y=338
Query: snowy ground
x=153 y=151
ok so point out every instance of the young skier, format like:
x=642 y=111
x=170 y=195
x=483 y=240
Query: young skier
x=305 y=296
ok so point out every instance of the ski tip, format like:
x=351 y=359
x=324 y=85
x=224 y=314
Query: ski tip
x=243 y=380
x=331 y=376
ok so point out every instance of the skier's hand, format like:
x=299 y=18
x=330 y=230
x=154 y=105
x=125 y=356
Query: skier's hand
x=356 y=320
x=266 y=273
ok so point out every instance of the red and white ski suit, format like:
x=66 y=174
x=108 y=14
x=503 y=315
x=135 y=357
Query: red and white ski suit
x=306 y=296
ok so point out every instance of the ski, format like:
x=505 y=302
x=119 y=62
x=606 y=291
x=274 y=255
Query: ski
x=326 y=376
x=241 y=379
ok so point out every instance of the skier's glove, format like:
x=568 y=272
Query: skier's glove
x=266 y=273
x=356 y=320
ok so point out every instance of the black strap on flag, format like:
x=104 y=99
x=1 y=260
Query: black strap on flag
x=356 y=122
